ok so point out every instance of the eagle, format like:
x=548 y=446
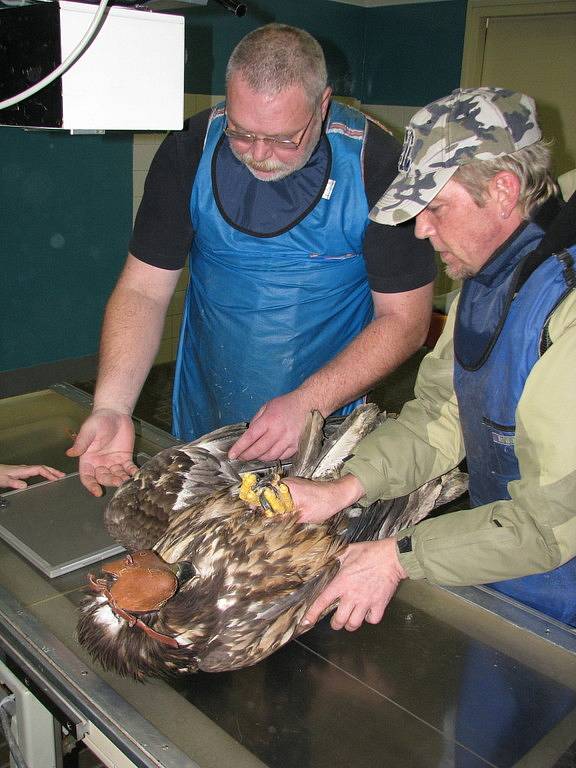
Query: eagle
x=211 y=582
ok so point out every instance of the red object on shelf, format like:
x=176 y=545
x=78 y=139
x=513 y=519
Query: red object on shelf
x=437 y=323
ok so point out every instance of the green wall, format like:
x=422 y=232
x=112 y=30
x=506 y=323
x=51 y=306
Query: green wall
x=211 y=34
x=66 y=212
x=413 y=52
x=400 y=54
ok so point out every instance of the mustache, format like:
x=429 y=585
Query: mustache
x=266 y=166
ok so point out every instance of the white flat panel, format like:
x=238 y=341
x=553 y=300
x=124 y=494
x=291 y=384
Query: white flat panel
x=132 y=75
x=57 y=526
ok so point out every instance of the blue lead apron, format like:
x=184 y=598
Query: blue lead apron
x=263 y=313
x=497 y=341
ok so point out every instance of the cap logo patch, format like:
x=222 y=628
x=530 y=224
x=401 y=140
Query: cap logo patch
x=405 y=158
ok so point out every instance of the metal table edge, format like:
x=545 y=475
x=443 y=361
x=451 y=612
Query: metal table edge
x=79 y=692
x=521 y=616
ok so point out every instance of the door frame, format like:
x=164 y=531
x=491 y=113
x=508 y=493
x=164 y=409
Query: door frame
x=475 y=34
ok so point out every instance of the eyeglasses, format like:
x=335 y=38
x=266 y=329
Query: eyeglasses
x=271 y=141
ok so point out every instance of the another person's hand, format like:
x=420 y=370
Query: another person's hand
x=105 y=444
x=274 y=431
x=366 y=582
x=316 y=500
x=12 y=475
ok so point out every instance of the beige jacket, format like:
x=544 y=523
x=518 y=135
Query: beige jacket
x=538 y=523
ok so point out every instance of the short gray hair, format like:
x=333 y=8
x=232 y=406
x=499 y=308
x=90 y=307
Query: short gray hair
x=532 y=166
x=278 y=56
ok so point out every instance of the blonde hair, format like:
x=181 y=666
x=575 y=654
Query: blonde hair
x=532 y=166
x=278 y=56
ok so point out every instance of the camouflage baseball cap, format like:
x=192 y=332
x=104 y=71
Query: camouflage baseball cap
x=470 y=124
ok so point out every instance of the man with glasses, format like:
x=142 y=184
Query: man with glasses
x=296 y=302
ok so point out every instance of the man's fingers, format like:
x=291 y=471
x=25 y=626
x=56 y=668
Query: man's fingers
x=321 y=604
x=253 y=450
x=356 y=617
x=94 y=477
x=351 y=614
x=126 y=468
x=348 y=614
x=48 y=472
x=11 y=482
x=35 y=470
x=258 y=442
x=263 y=445
x=91 y=484
x=114 y=475
x=80 y=444
x=343 y=614
x=280 y=449
x=242 y=446
x=374 y=615
x=276 y=451
x=287 y=454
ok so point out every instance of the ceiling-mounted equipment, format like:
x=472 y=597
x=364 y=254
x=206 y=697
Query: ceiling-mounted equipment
x=131 y=76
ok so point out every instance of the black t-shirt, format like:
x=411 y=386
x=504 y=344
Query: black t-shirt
x=395 y=260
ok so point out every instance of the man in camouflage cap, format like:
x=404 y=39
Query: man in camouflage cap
x=498 y=387
x=470 y=124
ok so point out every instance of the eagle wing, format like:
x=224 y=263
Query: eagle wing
x=254 y=579
x=386 y=517
x=324 y=461
x=174 y=479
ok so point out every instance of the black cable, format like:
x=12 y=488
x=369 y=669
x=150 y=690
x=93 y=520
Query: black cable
x=238 y=9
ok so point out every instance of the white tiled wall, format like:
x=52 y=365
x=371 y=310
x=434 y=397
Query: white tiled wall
x=144 y=149
x=394 y=117
x=145 y=146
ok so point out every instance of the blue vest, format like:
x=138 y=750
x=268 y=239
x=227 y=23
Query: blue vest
x=498 y=337
x=263 y=313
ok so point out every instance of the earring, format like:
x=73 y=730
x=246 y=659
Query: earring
x=502 y=214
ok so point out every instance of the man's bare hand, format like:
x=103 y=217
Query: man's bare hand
x=105 y=444
x=274 y=431
x=13 y=475
x=366 y=582
x=316 y=500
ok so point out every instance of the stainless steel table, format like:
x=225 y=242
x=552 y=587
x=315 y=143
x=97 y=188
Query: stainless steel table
x=461 y=678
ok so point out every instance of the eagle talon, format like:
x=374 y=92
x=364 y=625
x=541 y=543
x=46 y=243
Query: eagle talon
x=247 y=492
x=265 y=504
x=269 y=494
